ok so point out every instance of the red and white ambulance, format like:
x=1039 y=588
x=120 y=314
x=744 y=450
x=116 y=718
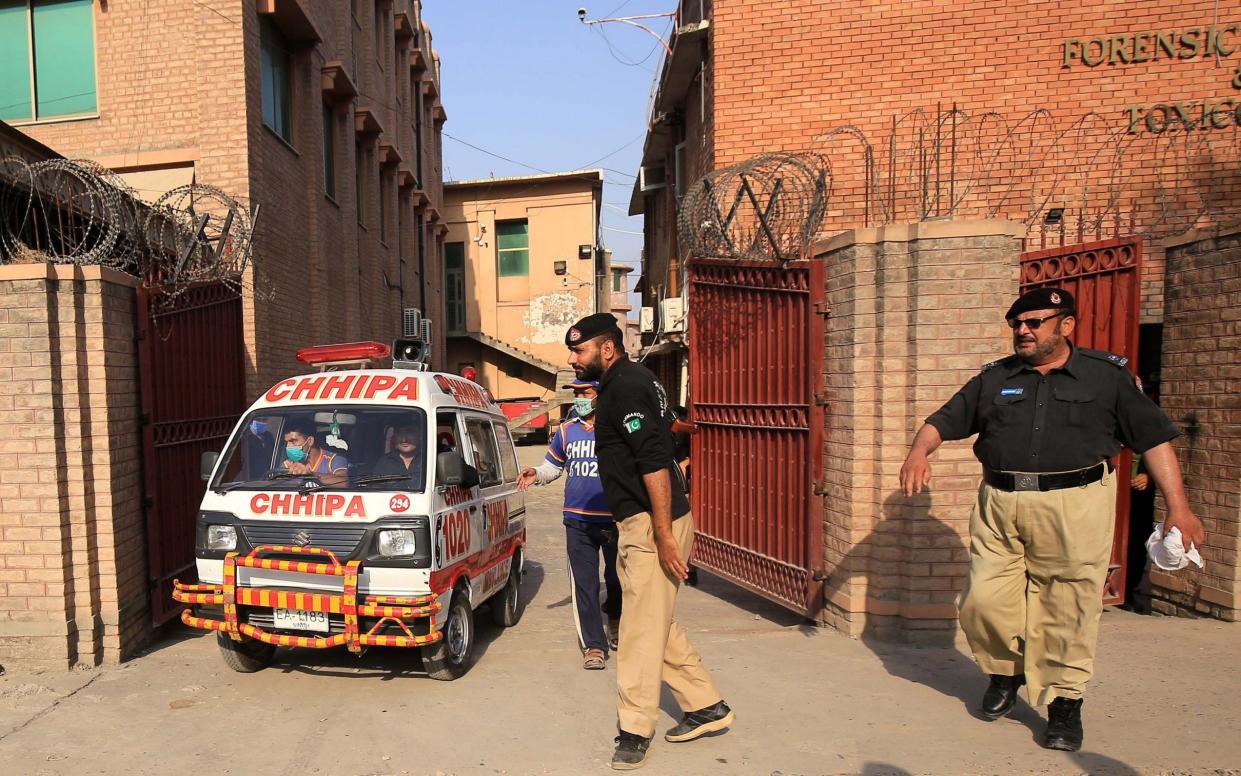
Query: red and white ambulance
x=360 y=507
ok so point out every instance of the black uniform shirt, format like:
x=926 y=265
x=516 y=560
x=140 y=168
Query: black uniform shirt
x=1073 y=417
x=393 y=464
x=633 y=437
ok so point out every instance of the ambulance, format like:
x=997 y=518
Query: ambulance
x=358 y=507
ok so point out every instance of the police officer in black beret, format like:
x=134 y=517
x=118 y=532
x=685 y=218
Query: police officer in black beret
x=643 y=487
x=1049 y=419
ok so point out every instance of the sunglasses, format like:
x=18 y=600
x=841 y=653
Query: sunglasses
x=1033 y=323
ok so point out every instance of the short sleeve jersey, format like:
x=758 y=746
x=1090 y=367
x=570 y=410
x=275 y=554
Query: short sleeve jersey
x=326 y=463
x=634 y=437
x=1073 y=417
x=572 y=449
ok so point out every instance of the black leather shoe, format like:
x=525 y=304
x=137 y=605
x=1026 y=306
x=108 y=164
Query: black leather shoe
x=698 y=723
x=1001 y=695
x=630 y=752
x=1064 y=725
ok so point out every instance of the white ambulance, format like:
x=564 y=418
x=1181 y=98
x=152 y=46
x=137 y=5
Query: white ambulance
x=360 y=507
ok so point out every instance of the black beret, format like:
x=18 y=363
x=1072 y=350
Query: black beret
x=590 y=327
x=1041 y=299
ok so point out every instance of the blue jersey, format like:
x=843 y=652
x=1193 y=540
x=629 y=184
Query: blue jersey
x=572 y=449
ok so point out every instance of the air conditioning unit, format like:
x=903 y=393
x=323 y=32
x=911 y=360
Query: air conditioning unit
x=672 y=313
x=646 y=320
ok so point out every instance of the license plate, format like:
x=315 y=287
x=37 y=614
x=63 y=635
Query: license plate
x=296 y=619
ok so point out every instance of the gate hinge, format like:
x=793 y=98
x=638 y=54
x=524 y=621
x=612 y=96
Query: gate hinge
x=822 y=308
x=819 y=488
x=821 y=400
x=819 y=575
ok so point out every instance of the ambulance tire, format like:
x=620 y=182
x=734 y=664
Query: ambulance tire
x=245 y=656
x=506 y=604
x=449 y=658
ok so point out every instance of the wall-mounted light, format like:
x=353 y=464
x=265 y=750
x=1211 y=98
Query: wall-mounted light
x=584 y=251
x=561 y=267
x=1054 y=216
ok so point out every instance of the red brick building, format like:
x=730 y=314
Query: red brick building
x=1070 y=123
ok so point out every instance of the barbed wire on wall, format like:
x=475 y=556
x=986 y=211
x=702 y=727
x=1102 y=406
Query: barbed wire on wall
x=766 y=208
x=74 y=211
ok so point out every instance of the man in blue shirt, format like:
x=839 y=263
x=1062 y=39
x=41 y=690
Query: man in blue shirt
x=589 y=527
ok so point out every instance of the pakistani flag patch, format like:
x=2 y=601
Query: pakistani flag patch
x=633 y=424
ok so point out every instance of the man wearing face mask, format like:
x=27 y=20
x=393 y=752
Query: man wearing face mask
x=304 y=456
x=589 y=527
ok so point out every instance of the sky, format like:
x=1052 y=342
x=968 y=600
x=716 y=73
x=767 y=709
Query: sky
x=525 y=80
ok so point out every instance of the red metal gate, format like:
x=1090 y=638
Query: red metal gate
x=756 y=374
x=1105 y=279
x=191 y=357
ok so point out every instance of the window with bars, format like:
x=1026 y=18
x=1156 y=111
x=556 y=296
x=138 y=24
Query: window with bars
x=454 y=286
x=47 y=59
x=513 y=248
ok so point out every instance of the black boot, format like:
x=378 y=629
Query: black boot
x=1001 y=695
x=1064 y=725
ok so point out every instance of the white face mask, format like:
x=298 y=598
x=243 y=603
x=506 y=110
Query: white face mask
x=585 y=406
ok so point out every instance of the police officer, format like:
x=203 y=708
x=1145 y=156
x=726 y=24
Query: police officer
x=1049 y=419
x=643 y=487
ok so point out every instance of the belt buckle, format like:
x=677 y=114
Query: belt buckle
x=1025 y=481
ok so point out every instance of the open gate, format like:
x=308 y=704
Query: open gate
x=756 y=374
x=191 y=356
x=1105 y=279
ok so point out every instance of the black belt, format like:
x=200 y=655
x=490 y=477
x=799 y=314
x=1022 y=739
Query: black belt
x=1045 y=481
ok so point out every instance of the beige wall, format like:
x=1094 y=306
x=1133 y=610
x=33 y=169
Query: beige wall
x=531 y=313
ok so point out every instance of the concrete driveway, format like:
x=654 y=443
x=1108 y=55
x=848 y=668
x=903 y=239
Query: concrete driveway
x=808 y=701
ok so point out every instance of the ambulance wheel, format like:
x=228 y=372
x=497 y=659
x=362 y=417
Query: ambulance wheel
x=449 y=658
x=245 y=656
x=506 y=604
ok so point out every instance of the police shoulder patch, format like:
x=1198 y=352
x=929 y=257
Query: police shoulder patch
x=995 y=363
x=1102 y=355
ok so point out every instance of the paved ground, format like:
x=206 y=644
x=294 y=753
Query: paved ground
x=808 y=702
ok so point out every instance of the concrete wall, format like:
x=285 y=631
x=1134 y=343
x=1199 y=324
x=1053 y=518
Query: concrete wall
x=915 y=312
x=73 y=574
x=1200 y=370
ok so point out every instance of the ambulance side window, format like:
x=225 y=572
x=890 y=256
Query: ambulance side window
x=508 y=458
x=486 y=459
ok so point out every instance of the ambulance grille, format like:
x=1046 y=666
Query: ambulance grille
x=340 y=540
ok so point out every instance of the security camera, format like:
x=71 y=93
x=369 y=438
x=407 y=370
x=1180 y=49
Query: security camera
x=581 y=13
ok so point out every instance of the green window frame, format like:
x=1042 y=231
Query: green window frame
x=454 y=286
x=47 y=59
x=329 y=151
x=274 y=64
x=513 y=248
x=617 y=285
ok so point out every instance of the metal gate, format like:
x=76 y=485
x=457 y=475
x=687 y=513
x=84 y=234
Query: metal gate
x=191 y=356
x=756 y=376
x=1105 y=279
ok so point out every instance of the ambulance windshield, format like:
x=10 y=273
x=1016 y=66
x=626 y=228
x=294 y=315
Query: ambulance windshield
x=327 y=447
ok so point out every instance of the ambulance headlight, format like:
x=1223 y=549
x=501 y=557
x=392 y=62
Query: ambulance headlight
x=221 y=537
x=396 y=542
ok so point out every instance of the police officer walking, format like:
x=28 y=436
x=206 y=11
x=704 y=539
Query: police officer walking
x=643 y=487
x=1049 y=419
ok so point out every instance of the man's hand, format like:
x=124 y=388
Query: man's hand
x=670 y=557
x=526 y=479
x=300 y=468
x=1140 y=482
x=1192 y=531
x=915 y=473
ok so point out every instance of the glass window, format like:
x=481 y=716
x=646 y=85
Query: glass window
x=454 y=285
x=383 y=207
x=59 y=79
x=618 y=282
x=275 y=75
x=486 y=459
x=329 y=151
x=357 y=179
x=508 y=455
x=513 y=248
x=339 y=446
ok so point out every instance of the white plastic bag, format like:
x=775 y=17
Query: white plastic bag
x=1168 y=552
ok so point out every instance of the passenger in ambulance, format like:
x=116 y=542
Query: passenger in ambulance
x=304 y=456
x=407 y=457
x=259 y=444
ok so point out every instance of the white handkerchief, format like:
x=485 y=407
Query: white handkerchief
x=1168 y=552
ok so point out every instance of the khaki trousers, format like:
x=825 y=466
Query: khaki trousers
x=653 y=647
x=1038 y=562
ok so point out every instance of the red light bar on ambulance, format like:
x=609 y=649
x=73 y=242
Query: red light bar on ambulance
x=345 y=353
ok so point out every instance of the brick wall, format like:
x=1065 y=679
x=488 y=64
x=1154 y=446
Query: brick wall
x=73 y=581
x=915 y=312
x=1201 y=366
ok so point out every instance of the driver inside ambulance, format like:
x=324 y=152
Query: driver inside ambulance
x=304 y=456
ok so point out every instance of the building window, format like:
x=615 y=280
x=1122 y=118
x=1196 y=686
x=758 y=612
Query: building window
x=454 y=286
x=55 y=76
x=329 y=151
x=618 y=283
x=277 y=108
x=383 y=207
x=357 y=180
x=513 y=248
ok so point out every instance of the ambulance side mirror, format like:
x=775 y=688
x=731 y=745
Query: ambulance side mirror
x=208 y=464
x=452 y=470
